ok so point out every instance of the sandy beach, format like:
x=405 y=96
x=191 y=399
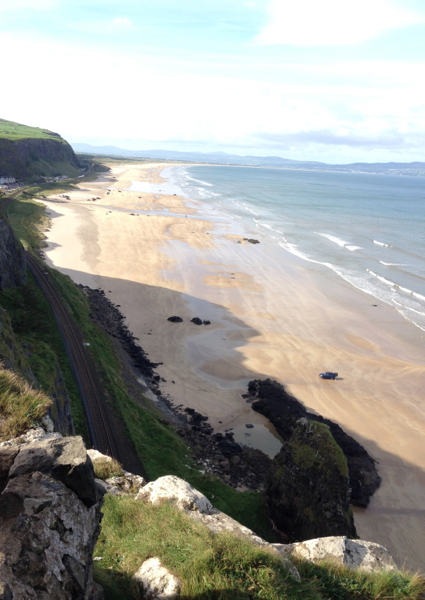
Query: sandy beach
x=157 y=255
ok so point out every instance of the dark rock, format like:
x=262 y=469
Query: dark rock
x=307 y=488
x=190 y=411
x=249 y=426
x=196 y=320
x=283 y=410
x=64 y=459
x=207 y=322
x=175 y=319
x=251 y=241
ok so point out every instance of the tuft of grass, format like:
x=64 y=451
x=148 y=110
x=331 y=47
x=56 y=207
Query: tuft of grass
x=209 y=566
x=20 y=405
x=337 y=582
x=104 y=468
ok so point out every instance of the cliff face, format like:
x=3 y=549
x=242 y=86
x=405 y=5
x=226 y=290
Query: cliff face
x=12 y=261
x=27 y=157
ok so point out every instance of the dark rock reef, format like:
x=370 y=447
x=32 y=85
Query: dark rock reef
x=307 y=489
x=283 y=410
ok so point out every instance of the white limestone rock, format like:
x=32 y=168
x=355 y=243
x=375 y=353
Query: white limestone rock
x=47 y=537
x=177 y=491
x=354 y=554
x=36 y=434
x=157 y=582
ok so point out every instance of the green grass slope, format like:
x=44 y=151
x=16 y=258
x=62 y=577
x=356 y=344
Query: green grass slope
x=16 y=131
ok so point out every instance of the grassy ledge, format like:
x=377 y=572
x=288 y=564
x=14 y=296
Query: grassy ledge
x=221 y=566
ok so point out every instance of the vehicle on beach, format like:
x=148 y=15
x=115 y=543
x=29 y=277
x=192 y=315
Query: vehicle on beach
x=328 y=375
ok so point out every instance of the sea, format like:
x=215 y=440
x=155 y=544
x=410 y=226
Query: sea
x=367 y=229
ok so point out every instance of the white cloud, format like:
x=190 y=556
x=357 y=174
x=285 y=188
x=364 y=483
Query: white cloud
x=332 y=22
x=122 y=22
x=128 y=96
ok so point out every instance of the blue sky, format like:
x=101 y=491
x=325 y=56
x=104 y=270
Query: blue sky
x=335 y=80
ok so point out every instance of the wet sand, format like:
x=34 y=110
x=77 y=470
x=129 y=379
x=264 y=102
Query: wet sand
x=271 y=316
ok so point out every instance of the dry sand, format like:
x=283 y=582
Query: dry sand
x=271 y=317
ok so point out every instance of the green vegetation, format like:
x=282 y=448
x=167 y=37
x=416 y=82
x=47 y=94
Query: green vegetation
x=20 y=405
x=104 y=468
x=16 y=131
x=308 y=456
x=35 y=328
x=221 y=566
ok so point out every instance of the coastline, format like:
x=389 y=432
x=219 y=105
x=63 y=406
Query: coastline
x=270 y=317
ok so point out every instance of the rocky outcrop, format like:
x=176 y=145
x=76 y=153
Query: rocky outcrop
x=156 y=581
x=353 y=554
x=184 y=497
x=307 y=489
x=271 y=400
x=23 y=158
x=50 y=509
x=12 y=261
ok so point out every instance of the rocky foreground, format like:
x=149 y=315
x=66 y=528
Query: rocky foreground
x=50 y=504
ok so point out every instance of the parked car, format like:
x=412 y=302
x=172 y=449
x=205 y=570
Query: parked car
x=328 y=375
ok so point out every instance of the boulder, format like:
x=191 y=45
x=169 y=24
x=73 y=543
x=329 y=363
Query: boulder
x=157 y=581
x=64 y=459
x=178 y=492
x=126 y=484
x=175 y=319
x=307 y=488
x=47 y=537
x=354 y=554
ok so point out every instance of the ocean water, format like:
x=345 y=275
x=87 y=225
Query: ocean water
x=367 y=229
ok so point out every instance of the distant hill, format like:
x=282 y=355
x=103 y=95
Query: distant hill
x=30 y=151
x=222 y=158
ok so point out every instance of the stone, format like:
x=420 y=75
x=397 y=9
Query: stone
x=178 y=492
x=196 y=320
x=157 y=581
x=175 y=319
x=354 y=554
x=64 y=459
x=126 y=484
x=47 y=537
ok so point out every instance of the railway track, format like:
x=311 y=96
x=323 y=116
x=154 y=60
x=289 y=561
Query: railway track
x=99 y=427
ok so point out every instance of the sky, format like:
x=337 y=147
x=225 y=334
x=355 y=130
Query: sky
x=334 y=81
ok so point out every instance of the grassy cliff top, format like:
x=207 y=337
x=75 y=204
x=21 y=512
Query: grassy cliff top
x=15 y=131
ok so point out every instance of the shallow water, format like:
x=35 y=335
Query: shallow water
x=366 y=229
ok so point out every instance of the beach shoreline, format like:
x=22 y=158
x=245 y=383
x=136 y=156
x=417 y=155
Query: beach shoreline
x=271 y=316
